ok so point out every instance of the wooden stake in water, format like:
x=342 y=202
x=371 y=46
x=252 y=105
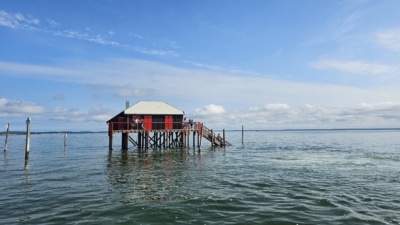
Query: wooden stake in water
x=65 y=139
x=223 y=137
x=242 y=133
x=8 y=129
x=28 y=137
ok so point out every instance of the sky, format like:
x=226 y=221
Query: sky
x=278 y=64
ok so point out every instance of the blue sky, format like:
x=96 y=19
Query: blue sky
x=71 y=65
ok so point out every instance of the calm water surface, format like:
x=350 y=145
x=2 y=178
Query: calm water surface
x=276 y=177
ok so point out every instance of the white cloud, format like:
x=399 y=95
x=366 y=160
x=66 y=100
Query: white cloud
x=209 y=110
x=130 y=77
x=371 y=115
x=17 y=20
x=99 y=39
x=52 y=23
x=389 y=39
x=356 y=67
x=202 y=65
x=155 y=52
x=13 y=108
x=68 y=115
x=277 y=107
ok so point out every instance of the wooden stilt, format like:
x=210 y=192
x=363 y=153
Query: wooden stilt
x=125 y=140
x=201 y=135
x=194 y=139
x=165 y=139
x=110 y=142
x=139 y=138
x=155 y=135
x=223 y=137
x=147 y=140
x=188 y=138
x=212 y=137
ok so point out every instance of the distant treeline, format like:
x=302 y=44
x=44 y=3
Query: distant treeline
x=322 y=129
x=52 y=132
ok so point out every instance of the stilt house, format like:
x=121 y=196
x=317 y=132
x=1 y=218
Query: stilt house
x=157 y=125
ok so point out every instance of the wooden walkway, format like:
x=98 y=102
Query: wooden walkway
x=216 y=140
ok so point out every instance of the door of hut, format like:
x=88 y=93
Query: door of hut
x=148 y=123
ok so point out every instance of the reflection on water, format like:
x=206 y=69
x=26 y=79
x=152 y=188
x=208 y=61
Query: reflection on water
x=149 y=175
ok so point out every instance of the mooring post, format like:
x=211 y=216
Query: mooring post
x=242 y=133
x=65 y=139
x=28 y=137
x=223 y=136
x=8 y=129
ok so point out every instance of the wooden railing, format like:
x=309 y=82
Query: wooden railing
x=176 y=127
x=133 y=127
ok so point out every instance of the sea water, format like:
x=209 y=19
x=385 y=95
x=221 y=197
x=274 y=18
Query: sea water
x=273 y=177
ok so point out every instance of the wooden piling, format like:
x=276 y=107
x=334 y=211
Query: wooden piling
x=188 y=138
x=194 y=139
x=8 y=129
x=28 y=137
x=201 y=134
x=147 y=139
x=223 y=137
x=124 y=140
x=212 y=137
x=65 y=139
x=242 y=134
x=166 y=143
x=110 y=136
x=110 y=142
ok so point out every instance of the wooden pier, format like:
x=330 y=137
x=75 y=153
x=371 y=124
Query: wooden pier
x=159 y=125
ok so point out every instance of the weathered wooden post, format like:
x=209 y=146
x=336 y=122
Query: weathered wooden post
x=110 y=136
x=28 y=137
x=140 y=139
x=167 y=140
x=201 y=135
x=242 y=134
x=194 y=139
x=223 y=137
x=65 y=139
x=212 y=137
x=8 y=129
x=124 y=140
x=147 y=139
x=188 y=138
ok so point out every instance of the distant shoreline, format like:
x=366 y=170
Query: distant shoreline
x=233 y=130
x=320 y=129
x=52 y=132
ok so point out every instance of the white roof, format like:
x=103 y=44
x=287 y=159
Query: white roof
x=152 y=108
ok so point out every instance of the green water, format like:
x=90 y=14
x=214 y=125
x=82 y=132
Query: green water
x=307 y=177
